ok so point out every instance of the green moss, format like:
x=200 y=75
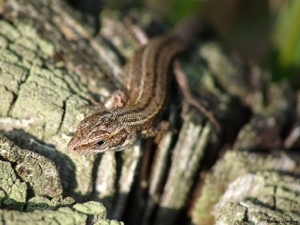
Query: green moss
x=231 y=166
x=15 y=190
x=91 y=208
x=9 y=31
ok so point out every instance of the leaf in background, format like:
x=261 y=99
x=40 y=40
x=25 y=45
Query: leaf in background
x=287 y=40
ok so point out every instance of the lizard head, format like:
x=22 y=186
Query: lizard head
x=101 y=132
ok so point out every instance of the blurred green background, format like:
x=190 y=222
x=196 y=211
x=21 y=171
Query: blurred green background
x=264 y=32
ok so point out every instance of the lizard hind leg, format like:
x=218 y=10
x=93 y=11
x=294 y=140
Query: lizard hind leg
x=183 y=84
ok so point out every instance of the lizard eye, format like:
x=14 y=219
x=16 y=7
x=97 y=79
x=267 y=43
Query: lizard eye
x=100 y=143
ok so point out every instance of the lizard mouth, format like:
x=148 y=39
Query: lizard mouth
x=73 y=145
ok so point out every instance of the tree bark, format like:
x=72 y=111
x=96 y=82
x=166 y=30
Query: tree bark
x=51 y=63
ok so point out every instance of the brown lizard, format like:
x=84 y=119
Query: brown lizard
x=146 y=82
